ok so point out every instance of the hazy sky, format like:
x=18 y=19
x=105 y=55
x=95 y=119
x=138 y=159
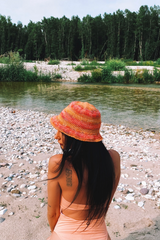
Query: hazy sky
x=35 y=10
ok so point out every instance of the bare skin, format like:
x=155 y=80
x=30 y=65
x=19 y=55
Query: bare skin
x=66 y=185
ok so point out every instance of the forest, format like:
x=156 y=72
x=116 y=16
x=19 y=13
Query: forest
x=123 y=34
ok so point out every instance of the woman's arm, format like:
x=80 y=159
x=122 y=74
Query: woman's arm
x=116 y=162
x=54 y=192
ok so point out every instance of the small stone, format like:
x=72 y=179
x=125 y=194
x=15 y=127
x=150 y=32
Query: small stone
x=117 y=207
x=23 y=186
x=16 y=195
x=2 y=212
x=118 y=200
x=140 y=204
x=44 y=177
x=129 y=197
x=144 y=183
x=130 y=190
x=144 y=191
x=42 y=205
x=9 y=189
x=16 y=191
x=1 y=175
x=2 y=219
x=32 y=187
x=21 y=164
x=33 y=175
x=11 y=213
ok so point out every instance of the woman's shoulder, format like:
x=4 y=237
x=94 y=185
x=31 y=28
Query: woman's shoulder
x=116 y=160
x=54 y=162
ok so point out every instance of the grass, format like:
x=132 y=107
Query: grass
x=17 y=73
x=53 y=62
x=85 y=68
x=128 y=76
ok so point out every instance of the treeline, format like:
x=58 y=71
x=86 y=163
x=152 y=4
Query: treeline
x=124 y=34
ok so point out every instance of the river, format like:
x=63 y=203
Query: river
x=135 y=106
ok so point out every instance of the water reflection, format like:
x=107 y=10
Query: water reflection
x=136 y=107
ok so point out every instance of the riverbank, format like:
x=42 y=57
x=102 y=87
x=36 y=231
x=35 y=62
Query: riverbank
x=27 y=143
x=65 y=72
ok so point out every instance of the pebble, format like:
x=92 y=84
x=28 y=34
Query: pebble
x=23 y=186
x=11 y=213
x=144 y=191
x=15 y=191
x=32 y=187
x=42 y=205
x=2 y=212
x=2 y=219
x=117 y=207
x=30 y=134
x=129 y=197
x=140 y=204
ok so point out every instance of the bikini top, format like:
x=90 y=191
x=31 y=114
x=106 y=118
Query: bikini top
x=74 y=206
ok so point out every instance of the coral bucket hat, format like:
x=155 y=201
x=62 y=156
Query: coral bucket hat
x=79 y=120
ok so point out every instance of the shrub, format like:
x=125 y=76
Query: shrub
x=115 y=64
x=107 y=75
x=89 y=67
x=53 y=62
x=97 y=75
x=85 y=78
x=147 y=77
x=156 y=75
x=128 y=75
x=158 y=61
x=85 y=62
x=78 y=68
x=17 y=73
x=57 y=76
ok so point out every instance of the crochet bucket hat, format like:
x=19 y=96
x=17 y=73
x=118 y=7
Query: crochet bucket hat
x=79 y=120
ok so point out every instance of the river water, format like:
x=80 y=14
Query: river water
x=135 y=106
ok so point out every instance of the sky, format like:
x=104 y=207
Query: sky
x=34 y=10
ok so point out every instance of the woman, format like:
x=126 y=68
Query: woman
x=83 y=179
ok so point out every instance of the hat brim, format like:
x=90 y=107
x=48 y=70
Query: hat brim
x=79 y=135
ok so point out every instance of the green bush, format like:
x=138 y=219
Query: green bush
x=115 y=64
x=53 y=62
x=128 y=75
x=85 y=62
x=97 y=75
x=158 y=61
x=85 y=68
x=78 y=68
x=17 y=73
x=89 y=67
x=85 y=78
x=107 y=75
x=57 y=76
x=156 y=75
x=147 y=76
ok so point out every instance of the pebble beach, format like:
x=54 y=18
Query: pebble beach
x=26 y=144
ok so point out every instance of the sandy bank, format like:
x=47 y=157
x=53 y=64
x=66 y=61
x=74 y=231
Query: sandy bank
x=26 y=143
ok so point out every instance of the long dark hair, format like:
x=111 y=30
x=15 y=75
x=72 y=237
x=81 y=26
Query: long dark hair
x=94 y=157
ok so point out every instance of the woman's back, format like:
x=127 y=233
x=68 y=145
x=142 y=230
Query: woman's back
x=68 y=182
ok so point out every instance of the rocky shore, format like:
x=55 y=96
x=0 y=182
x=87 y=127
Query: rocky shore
x=26 y=144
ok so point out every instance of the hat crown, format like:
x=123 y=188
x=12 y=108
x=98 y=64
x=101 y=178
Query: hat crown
x=80 y=120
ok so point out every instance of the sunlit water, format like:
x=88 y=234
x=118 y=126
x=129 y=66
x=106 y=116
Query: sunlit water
x=134 y=106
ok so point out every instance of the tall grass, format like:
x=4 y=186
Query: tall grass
x=115 y=64
x=85 y=68
x=53 y=62
x=17 y=73
x=126 y=77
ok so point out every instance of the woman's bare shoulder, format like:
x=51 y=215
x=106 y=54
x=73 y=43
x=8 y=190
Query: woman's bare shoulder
x=54 y=162
x=116 y=160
